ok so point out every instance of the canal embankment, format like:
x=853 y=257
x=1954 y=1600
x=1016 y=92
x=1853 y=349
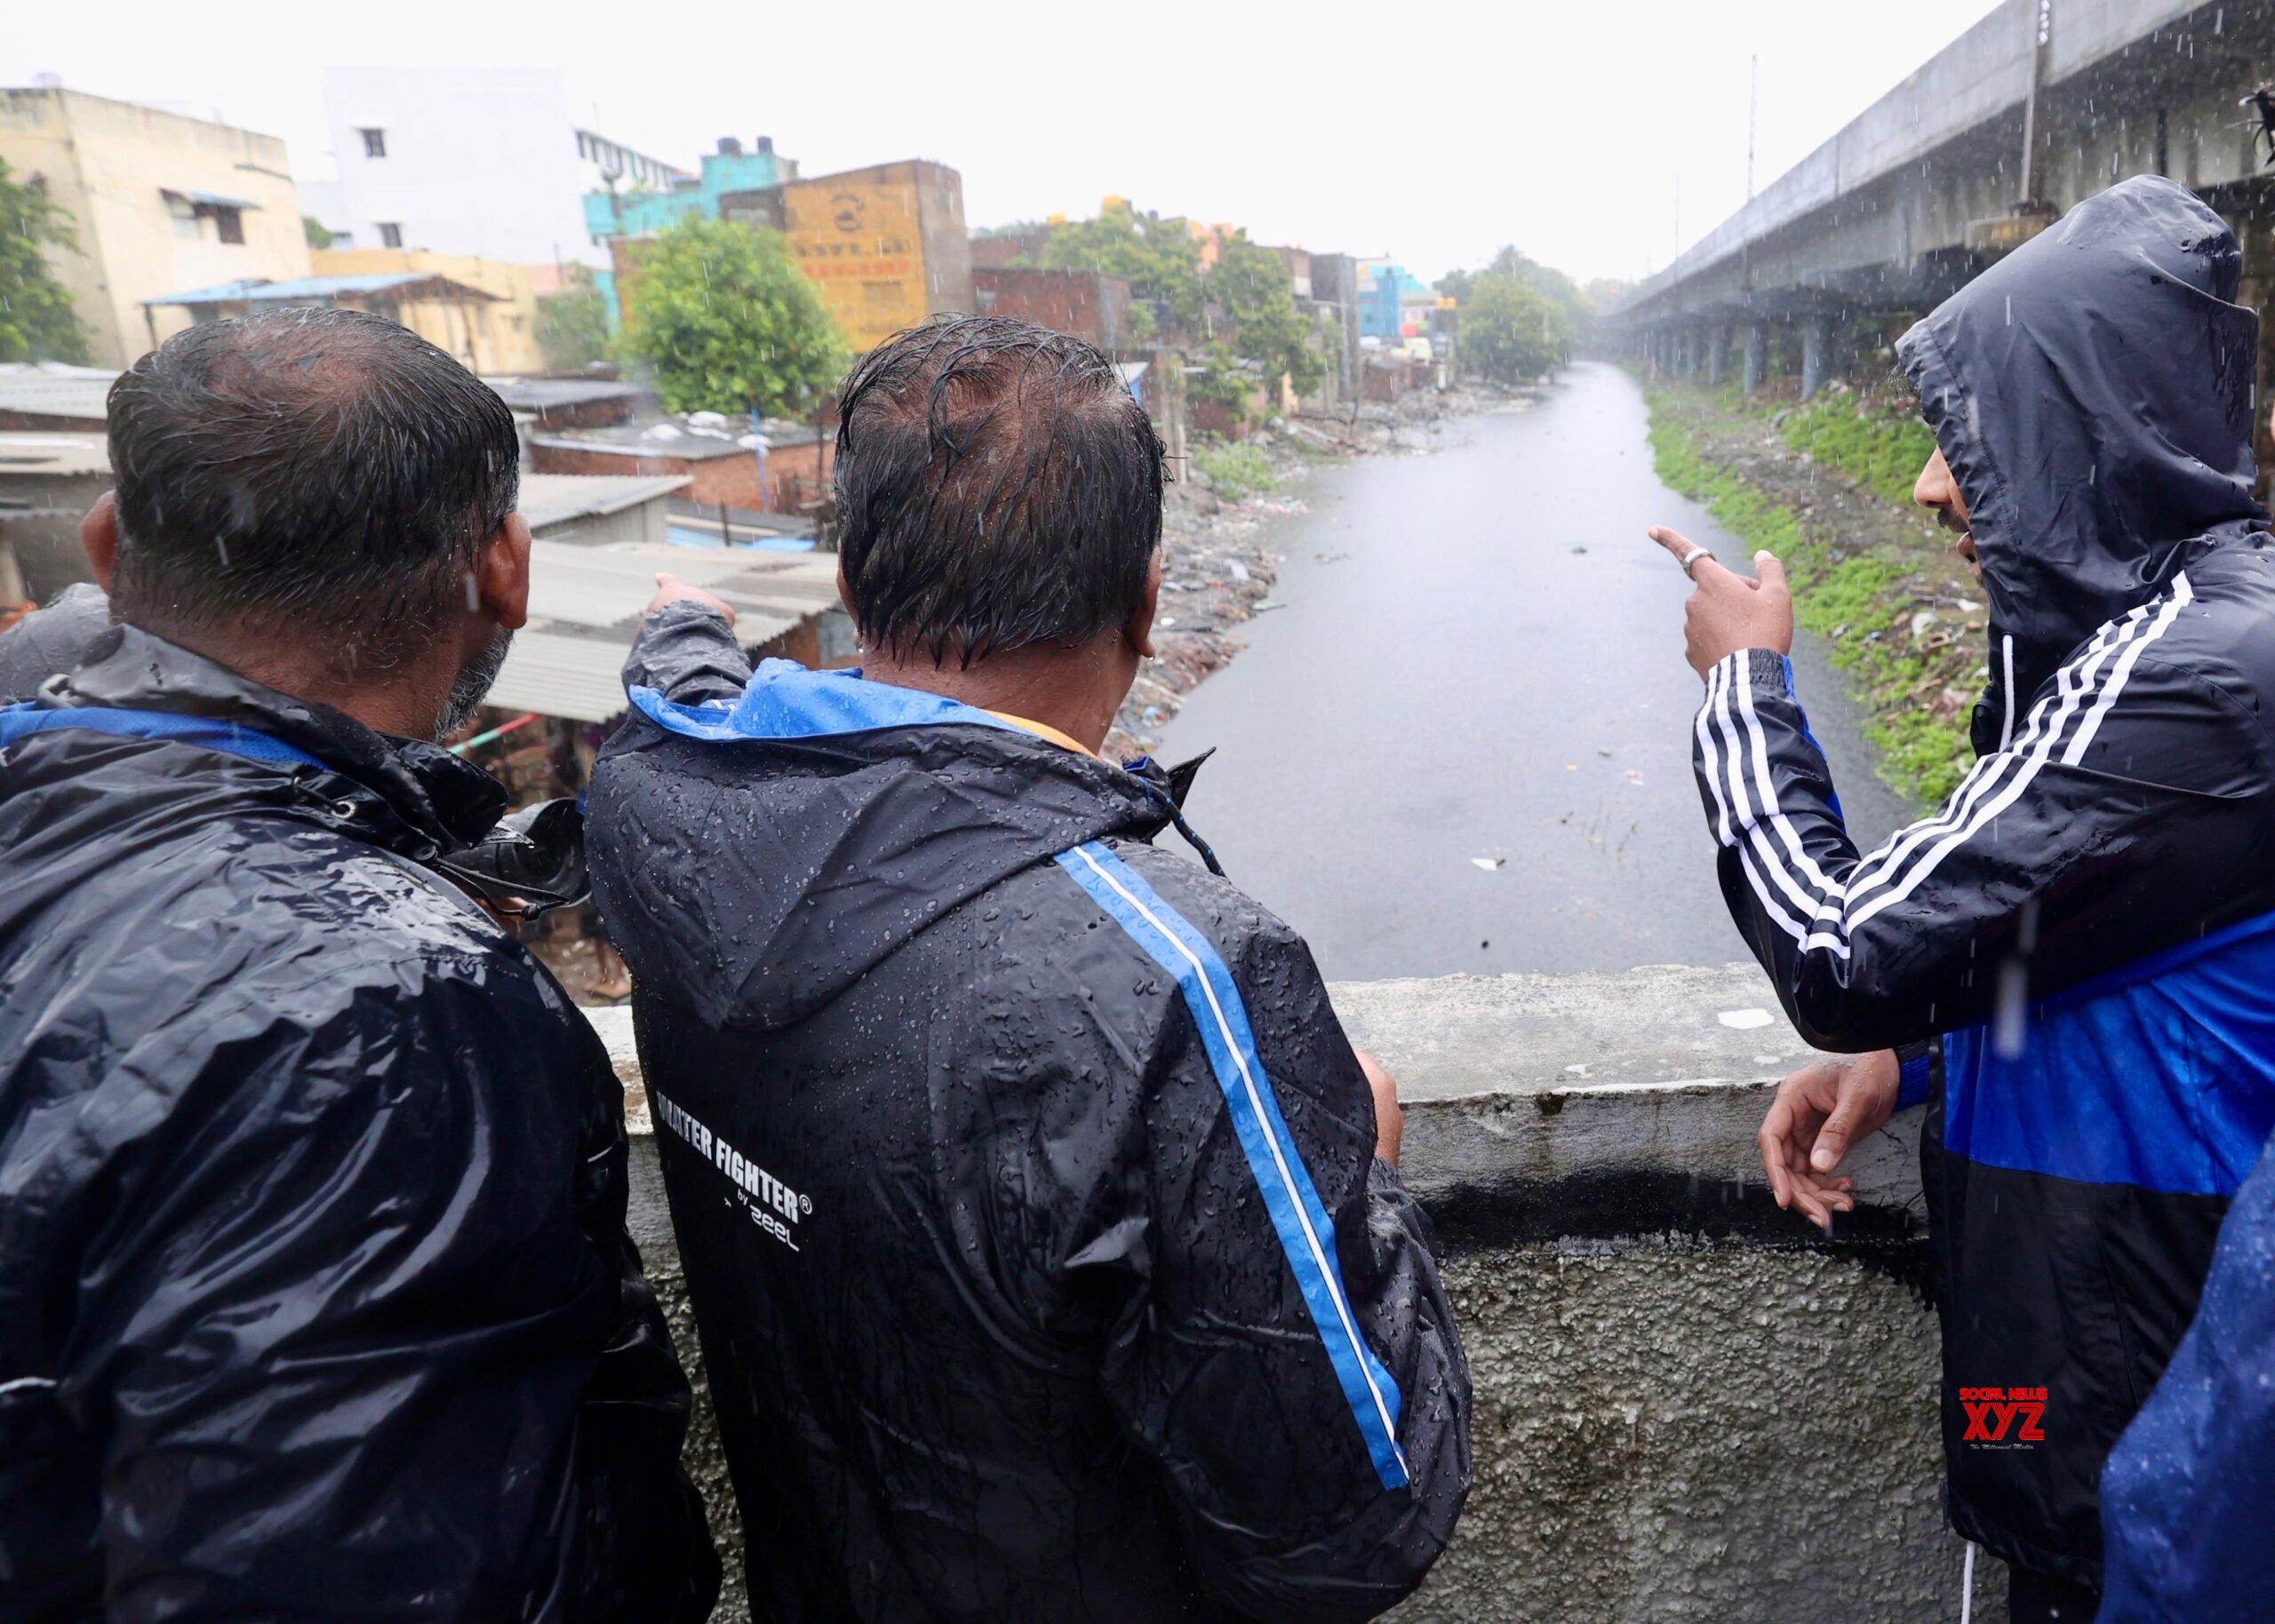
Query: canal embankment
x=1827 y=487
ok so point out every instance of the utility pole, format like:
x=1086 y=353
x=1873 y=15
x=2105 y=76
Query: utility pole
x=1752 y=117
x=2033 y=197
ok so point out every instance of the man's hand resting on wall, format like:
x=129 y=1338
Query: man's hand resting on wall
x=1820 y=1112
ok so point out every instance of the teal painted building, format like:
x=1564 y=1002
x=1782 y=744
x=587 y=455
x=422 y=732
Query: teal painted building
x=730 y=169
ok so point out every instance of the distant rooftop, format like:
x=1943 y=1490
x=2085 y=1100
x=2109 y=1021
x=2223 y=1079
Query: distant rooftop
x=315 y=290
x=53 y=454
x=548 y=499
x=51 y=389
x=586 y=601
x=537 y=394
x=680 y=437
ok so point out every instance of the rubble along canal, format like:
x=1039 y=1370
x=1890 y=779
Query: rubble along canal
x=1463 y=745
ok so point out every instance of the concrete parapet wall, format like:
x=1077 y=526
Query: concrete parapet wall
x=1689 y=1407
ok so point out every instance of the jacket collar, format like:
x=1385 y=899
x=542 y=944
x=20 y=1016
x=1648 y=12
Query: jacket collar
x=417 y=797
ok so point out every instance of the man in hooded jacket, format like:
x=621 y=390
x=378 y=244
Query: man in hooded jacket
x=2078 y=949
x=1028 y=1188
x=316 y=1298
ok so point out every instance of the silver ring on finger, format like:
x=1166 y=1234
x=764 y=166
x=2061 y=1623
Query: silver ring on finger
x=1690 y=559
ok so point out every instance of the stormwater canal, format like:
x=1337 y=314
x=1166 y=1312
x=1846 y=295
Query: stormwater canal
x=1465 y=742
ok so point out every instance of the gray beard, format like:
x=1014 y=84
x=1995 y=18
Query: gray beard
x=473 y=684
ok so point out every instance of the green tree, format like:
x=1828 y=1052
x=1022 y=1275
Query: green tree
x=1559 y=290
x=318 y=234
x=1250 y=282
x=726 y=321
x=37 y=320
x=572 y=324
x=1160 y=258
x=1511 y=332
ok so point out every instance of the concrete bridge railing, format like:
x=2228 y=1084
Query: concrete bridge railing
x=1689 y=1406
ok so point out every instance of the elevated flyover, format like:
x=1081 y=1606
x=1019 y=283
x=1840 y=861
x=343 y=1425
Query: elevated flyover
x=2037 y=107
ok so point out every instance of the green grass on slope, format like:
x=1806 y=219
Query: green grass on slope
x=1847 y=601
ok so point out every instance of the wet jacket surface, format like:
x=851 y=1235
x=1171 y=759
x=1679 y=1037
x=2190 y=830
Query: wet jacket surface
x=1023 y=1176
x=2188 y=1492
x=315 y=1299
x=2087 y=925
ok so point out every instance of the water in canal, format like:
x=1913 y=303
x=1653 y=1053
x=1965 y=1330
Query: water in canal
x=1480 y=658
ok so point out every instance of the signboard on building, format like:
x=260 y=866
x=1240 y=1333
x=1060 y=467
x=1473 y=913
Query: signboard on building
x=886 y=246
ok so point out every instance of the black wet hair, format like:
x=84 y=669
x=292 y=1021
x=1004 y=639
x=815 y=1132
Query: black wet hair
x=998 y=488
x=304 y=476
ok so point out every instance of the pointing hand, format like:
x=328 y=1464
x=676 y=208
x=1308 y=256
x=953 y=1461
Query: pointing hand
x=1727 y=612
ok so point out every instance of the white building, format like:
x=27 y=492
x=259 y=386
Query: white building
x=480 y=161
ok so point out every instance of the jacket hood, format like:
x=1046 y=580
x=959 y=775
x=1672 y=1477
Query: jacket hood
x=2092 y=393
x=755 y=856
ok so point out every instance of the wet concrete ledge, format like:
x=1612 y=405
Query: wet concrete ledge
x=1689 y=1406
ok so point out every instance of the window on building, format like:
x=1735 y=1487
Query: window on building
x=375 y=143
x=229 y=224
x=390 y=233
x=185 y=216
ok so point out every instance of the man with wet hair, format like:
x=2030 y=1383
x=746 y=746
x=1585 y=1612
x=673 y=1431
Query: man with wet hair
x=1040 y=1220
x=315 y=1297
x=2072 y=962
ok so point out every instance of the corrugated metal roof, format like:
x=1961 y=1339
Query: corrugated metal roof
x=585 y=603
x=561 y=674
x=555 y=499
x=76 y=391
x=536 y=393
x=53 y=454
x=628 y=440
x=255 y=291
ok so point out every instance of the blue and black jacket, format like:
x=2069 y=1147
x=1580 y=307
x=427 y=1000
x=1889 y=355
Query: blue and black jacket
x=1023 y=1175
x=2087 y=925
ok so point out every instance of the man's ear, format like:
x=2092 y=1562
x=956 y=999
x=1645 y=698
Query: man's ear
x=501 y=573
x=1138 y=629
x=98 y=534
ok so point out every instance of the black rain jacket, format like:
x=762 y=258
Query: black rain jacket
x=316 y=1299
x=1023 y=1176
x=2087 y=925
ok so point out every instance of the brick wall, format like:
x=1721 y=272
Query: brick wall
x=1090 y=306
x=792 y=473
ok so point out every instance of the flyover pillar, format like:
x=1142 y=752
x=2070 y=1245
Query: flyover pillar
x=1686 y=354
x=1718 y=344
x=1757 y=355
x=1816 y=354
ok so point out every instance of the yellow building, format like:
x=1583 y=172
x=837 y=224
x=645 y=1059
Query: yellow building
x=886 y=245
x=160 y=202
x=495 y=336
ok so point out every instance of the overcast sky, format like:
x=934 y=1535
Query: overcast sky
x=1594 y=134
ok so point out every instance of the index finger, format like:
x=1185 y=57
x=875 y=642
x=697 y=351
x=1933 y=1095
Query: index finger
x=1678 y=544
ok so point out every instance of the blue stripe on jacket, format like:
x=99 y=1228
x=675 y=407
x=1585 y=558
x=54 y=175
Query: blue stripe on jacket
x=2159 y=1075
x=20 y=722
x=1307 y=1234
